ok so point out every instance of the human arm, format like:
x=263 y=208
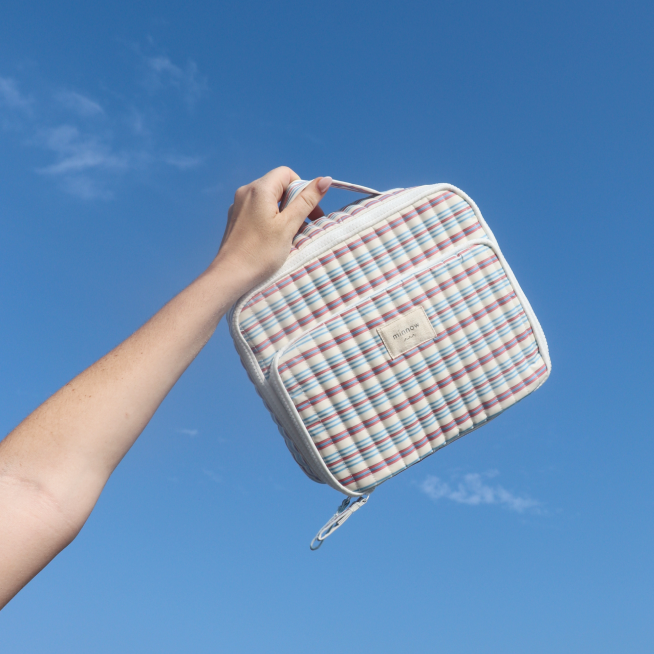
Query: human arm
x=54 y=465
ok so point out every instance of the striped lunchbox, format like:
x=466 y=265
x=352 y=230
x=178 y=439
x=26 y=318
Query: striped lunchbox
x=395 y=327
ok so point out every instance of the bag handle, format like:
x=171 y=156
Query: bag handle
x=296 y=187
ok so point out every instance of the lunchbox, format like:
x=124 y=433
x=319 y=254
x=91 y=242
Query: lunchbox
x=395 y=327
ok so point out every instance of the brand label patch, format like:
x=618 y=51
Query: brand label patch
x=409 y=330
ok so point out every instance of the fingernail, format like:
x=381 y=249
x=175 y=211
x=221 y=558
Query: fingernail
x=324 y=183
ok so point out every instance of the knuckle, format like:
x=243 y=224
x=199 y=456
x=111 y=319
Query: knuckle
x=311 y=197
x=254 y=189
x=284 y=174
x=247 y=191
x=305 y=202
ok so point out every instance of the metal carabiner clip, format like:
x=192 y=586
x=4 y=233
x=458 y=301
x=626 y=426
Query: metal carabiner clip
x=345 y=510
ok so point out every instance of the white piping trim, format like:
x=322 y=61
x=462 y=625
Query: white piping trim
x=278 y=385
x=318 y=246
x=288 y=417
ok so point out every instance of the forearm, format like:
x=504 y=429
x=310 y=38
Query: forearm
x=54 y=465
x=79 y=435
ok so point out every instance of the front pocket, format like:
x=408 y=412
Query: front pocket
x=388 y=244
x=369 y=414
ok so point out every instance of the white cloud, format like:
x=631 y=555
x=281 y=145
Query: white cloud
x=79 y=103
x=162 y=73
x=136 y=122
x=188 y=432
x=473 y=490
x=76 y=152
x=83 y=161
x=212 y=475
x=182 y=162
x=87 y=156
x=86 y=188
x=10 y=96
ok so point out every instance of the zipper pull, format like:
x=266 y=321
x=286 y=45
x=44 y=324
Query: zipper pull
x=344 y=511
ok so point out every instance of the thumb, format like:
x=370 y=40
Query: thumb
x=305 y=203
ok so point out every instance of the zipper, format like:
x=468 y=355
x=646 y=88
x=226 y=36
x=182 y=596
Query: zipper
x=321 y=244
x=277 y=387
x=267 y=388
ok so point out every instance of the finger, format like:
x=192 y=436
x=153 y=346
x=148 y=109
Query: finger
x=316 y=213
x=277 y=180
x=305 y=202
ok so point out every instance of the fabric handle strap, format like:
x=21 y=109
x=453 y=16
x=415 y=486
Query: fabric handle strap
x=296 y=187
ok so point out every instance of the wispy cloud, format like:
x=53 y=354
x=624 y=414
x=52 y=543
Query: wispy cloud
x=182 y=162
x=86 y=188
x=212 y=475
x=163 y=73
x=10 y=96
x=473 y=489
x=92 y=148
x=79 y=103
x=136 y=121
x=84 y=162
x=76 y=152
x=188 y=432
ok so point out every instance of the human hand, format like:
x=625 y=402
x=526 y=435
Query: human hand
x=258 y=237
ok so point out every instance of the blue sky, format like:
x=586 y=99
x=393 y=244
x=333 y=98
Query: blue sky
x=124 y=131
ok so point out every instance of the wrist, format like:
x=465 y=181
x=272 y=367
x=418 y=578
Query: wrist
x=234 y=278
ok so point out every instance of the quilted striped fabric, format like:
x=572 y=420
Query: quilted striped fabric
x=321 y=225
x=353 y=269
x=352 y=413
x=371 y=417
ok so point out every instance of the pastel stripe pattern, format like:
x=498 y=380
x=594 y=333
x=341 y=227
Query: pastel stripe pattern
x=355 y=268
x=325 y=223
x=370 y=416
